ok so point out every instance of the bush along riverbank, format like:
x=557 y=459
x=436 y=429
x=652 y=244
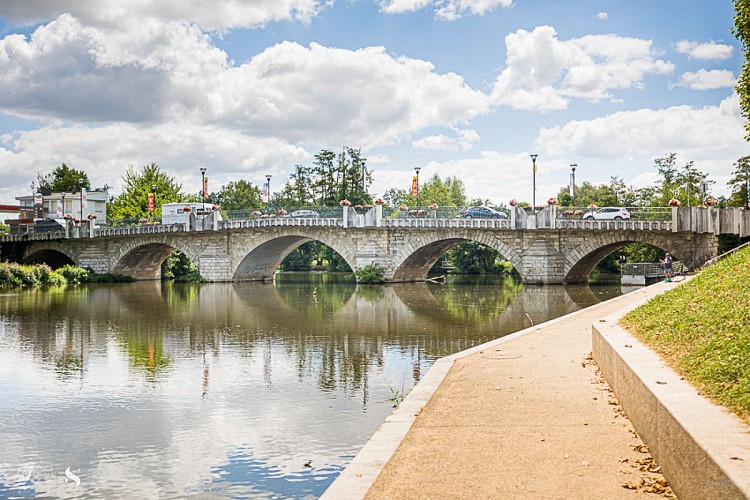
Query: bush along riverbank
x=39 y=275
x=702 y=329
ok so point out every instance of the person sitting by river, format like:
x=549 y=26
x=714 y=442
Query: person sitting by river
x=667 y=261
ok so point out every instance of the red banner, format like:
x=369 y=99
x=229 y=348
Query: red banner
x=205 y=188
x=414 y=186
x=150 y=202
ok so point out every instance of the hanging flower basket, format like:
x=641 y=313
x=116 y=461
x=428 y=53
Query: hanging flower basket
x=91 y=216
x=282 y=211
x=257 y=213
x=345 y=203
x=578 y=212
x=403 y=208
x=674 y=202
x=366 y=205
x=359 y=206
x=421 y=213
x=272 y=215
x=379 y=201
x=215 y=207
x=434 y=206
x=513 y=202
x=187 y=209
x=567 y=212
x=143 y=220
x=201 y=211
x=552 y=201
x=264 y=216
x=68 y=217
x=711 y=201
x=592 y=206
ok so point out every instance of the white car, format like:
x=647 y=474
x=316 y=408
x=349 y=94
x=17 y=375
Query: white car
x=304 y=213
x=607 y=213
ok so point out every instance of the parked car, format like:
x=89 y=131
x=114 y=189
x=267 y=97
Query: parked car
x=304 y=213
x=483 y=213
x=608 y=213
x=47 y=226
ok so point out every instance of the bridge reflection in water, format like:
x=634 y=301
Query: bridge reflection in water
x=229 y=388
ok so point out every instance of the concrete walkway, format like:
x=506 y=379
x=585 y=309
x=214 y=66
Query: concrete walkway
x=524 y=417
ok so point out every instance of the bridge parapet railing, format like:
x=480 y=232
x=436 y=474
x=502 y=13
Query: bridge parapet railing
x=649 y=269
x=448 y=223
x=625 y=224
x=142 y=229
x=51 y=235
x=281 y=221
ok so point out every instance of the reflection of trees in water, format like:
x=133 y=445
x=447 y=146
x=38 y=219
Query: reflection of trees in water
x=339 y=335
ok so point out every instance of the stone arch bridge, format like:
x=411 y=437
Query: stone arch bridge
x=546 y=250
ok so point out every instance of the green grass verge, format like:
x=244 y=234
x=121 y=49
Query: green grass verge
x=702 y=329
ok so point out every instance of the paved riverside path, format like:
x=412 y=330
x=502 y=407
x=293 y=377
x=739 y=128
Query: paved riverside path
x=527 y=418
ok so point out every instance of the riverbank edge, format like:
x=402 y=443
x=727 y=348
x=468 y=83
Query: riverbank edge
x=677 y=423
x=358 y=477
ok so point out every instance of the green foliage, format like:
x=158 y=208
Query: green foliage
x=475 y=258
x=701 y=330
x=179 y=268
x=740 y=183
x=20 y=275
x=4 y=228
x=741 y=30
x=63 y=178
x=133 y=202
x=75 y=275
x=445 y=193
x=371 y=273
x=238 y=195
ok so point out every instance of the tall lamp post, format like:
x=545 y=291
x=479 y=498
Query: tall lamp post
x=268 y=189
x=573 y=183
x=533 y=194
x=417 y=169
x=203 y=187
x=153 y=206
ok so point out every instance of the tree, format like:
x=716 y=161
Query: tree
x=238 y=195
x=63 y=178
x=741 y=30
x=448 y=193
x=133 y=202
x=740 y=183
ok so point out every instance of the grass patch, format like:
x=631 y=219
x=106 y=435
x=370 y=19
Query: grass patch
x=702 y=329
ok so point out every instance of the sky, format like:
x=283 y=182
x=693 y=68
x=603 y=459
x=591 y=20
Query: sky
x=465 y=88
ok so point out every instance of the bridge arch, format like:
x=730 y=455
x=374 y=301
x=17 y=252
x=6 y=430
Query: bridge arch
x=143 y=260
x=52 y=257
x=582 y=259
x=413 y=263
x=262 y=261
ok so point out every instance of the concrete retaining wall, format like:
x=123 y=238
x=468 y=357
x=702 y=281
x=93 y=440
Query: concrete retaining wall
x=703 y=449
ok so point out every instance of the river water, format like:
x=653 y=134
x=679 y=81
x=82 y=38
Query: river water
x=253 y=390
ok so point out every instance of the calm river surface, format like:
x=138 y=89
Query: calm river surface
x=151 y=390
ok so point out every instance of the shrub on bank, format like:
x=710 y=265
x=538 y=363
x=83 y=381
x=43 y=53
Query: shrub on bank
x=14 y=275
x=371 y=273
x=701 y=329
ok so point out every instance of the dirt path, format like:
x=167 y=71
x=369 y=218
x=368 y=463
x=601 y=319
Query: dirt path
x=530 y=418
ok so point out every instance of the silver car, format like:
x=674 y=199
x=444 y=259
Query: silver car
x=608 y=213
x=304 y=213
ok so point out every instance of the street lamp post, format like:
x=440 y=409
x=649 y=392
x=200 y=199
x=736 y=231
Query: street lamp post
x=573 y=183
x=153 y=192
x=203 y=187
x=533 y=194
x=268 y=189
x=417 y=169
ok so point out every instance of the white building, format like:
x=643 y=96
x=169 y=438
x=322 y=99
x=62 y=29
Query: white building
x=175 y=213
x=57 y=205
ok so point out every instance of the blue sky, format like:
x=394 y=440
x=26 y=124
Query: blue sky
x=465 y=88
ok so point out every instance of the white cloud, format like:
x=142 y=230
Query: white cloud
x=179 y=149
x=708 y=50
x=463 y=141
x=226 y=14
x=602 y=15
x=166 y=71
x=711 y=135
x=544 y=73
x=447 y=10
x=708 y=79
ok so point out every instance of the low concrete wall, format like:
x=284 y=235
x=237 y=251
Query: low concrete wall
x=703 y=449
